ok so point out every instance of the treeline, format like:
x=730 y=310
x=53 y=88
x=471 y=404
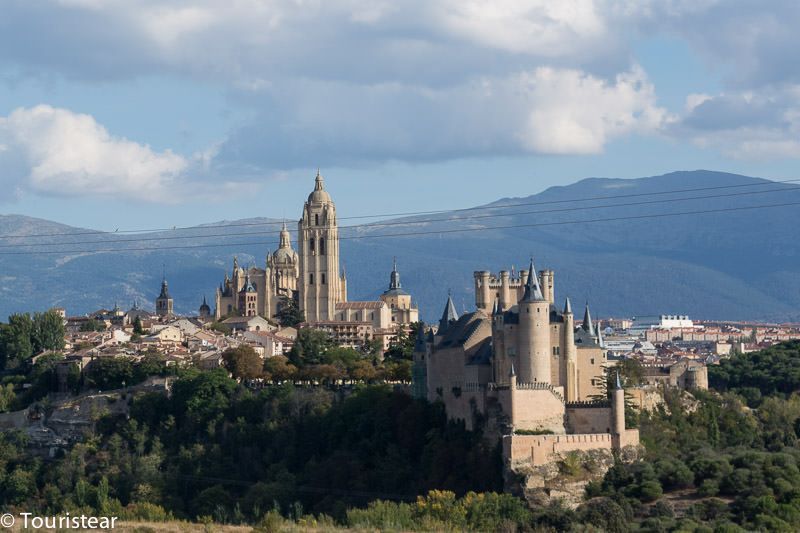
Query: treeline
x=216 y=449
x=316 y=357
x=772 y=371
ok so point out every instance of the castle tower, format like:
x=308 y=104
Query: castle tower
x=164 y=302
x=505 y=291
x=534 y=332
x=570 y=352
x=548 y=290
x=482 y=290
x=618 y=413
x=205 y=311
x=318 y=241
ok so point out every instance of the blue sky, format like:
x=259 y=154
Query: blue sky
x=174 y=113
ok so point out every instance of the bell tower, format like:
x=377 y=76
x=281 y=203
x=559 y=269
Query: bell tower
x=318 y=242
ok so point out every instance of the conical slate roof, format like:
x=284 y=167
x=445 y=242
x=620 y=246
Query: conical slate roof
x=533 y=292
x=587 y=321
x=449 y=315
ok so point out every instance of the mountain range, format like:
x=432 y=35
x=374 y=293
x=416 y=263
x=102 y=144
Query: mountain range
x=680 y=243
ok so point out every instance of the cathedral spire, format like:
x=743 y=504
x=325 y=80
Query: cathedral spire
x=567 y=306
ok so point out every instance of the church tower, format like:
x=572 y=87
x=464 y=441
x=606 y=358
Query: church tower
x=318 y=241
x=164 y=302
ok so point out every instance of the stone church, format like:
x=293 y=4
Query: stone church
x=313 y=279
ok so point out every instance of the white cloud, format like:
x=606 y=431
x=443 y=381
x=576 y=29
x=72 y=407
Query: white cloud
x=544 y=111
x=746 y=124
x=59 y=152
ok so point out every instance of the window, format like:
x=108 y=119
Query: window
x=323 y=278
x=311 y=279
x=592 y=360
x=316 y=219
x=321 y=246
x=311 y=245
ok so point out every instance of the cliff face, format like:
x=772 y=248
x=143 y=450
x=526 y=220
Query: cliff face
x=564 y=479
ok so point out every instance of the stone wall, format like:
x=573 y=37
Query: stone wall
x=588 y=418
x=537 y=450
x=537 y=409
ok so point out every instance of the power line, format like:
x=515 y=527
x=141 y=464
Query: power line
x=411 y=222
x=407 y=213
x=416 y=233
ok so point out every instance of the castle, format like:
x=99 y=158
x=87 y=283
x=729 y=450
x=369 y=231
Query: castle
x=311 y=278
x=523 y=366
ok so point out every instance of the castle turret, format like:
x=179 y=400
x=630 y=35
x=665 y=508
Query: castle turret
x=548 y=290
x=570 y=352
x=449 y=315
x=587 y=325
x=505 y=291
x=483 y=290
x=618 y=412
x=534 y=332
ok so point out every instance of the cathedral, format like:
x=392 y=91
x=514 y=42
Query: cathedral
x=311 y=278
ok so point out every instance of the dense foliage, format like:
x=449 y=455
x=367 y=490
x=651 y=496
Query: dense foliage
x=774 y=370
x=215 y=448
x=25 y=336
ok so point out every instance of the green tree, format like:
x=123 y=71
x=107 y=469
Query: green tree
x=138 y=329
x=289 y=314
x=48 y=332
x=15 y=340
x=310 y=347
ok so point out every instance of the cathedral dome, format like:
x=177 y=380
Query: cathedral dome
x=284 y=255
x=319 y=195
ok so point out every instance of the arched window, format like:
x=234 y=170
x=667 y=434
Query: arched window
x=316 y=219
x=321 y=246
x=311 y=279
x=311 y=245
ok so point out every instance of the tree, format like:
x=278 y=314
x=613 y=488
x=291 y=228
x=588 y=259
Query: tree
x=278 y=368
x=310 y=347
x=47 y=332
x=289 y=314
x=138 y=329
x=15 y=340
x=243 y=362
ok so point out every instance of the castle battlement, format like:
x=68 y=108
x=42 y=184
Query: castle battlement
x=540 y=385
x=588 y=404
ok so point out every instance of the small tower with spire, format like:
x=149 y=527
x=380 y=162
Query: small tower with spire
x=570 y=351
x=164 y=302
x=205 y=310
x=248 y=298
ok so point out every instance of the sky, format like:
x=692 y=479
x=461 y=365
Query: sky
x=121 y=114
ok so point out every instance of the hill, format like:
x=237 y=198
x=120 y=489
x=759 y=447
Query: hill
x=730 y=263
